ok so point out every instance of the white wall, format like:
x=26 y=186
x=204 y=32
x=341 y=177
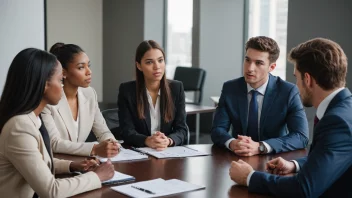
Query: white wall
x=21 y=26
x=79 y=22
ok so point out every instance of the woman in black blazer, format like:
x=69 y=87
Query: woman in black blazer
x=152 y=108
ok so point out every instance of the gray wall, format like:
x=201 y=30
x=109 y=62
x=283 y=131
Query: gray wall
x=21 y=26
x=79 y=22
x=219 y=42
x=122 y=32
x=319 y=18
x=154 y=20
x=127 y=23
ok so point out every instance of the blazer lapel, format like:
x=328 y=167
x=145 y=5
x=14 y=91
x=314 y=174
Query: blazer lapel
x=66 y=115
x=83 y=113
x=243 y=105
x=269 y=97
x=161 y=109
x=147 y=118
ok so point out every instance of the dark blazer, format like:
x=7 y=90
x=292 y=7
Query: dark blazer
x=327 y=171
x=283 y=122
x=134 y=130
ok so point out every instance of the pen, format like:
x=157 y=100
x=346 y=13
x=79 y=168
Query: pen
x=93 y=158
x=144 y=190
x=139 y=151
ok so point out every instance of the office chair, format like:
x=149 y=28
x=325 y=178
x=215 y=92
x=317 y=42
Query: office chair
x=112 y=121
x=193 y=80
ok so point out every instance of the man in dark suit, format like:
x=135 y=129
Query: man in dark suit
x=320 y=70
x=265 y=111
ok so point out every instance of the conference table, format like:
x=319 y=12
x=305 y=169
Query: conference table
x=210 y=171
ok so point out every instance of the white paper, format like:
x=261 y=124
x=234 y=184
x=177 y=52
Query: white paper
x=125 y=155
x=177 y=151
x=119 y=177
x=158 y=186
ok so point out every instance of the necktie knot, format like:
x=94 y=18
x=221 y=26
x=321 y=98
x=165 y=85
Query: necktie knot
x=254 y=93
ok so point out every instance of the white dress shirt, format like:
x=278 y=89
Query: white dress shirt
x=320 y=113
x=154 y=113
x=260 y=98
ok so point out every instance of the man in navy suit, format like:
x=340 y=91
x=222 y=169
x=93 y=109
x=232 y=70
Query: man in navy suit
x=265 y=112
x=320 y=70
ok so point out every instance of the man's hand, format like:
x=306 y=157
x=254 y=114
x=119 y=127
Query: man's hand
x=279 y=166
x=246 y=146
x=239 y=172
x=157 y=141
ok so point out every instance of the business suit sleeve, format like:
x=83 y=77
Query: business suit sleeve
x=297 y=125
x=128 y=131
x=221 y=122
x=22 y=151
x=100 y=129
x=179 y=126
x=329 y=160
x=60 y=145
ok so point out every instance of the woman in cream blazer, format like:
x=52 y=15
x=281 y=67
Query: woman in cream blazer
x=27 y=167
x=77 y=114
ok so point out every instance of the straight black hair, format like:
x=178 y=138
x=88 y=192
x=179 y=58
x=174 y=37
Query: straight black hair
x=25 y=83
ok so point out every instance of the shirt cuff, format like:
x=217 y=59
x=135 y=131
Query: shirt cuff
x=296 y=164
x=268 y=147
x=249 y=177
x=227 y=143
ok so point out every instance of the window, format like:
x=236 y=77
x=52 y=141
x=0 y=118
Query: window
x=269 y=18
x=179 y=35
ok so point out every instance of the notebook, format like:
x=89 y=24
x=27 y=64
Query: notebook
x=125 y=155
x=119 y=178
x=172 y=152
x=156 y=188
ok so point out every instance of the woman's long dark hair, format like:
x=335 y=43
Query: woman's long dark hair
x=25 y=83
x=166 y=100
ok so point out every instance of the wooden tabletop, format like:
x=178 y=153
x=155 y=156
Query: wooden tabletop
x=194 y=109
x=210 y=171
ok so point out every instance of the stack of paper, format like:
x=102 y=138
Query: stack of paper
x=125 y=155
x=177 y=151
x=119 y=178
x=156 y=188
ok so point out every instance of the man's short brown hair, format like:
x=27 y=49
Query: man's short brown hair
x=323 y=59
x=264 y=44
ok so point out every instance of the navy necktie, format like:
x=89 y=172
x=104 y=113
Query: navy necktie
x=252 y=129
x=316 y=120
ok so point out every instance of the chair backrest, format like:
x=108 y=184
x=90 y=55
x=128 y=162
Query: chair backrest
x=112 y=120
x=192 y=79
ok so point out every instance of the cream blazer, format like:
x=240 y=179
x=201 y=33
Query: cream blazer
x=25 y=164
x=60 y=124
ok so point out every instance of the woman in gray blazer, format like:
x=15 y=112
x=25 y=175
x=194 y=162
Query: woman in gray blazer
x=27 y=166
x=77 y=114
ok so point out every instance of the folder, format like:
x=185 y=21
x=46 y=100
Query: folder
x=119 y=178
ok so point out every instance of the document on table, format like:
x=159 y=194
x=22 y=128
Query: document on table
x=156 y=188
x=125 y=155
x=172 y=152
x=119 y=178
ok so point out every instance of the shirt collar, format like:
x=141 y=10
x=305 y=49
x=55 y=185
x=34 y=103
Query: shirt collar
x=260 y=89
x=149 y=93
x=325 y=103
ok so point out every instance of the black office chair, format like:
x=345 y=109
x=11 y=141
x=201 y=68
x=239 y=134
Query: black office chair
x=193 y=80
x=112 y=120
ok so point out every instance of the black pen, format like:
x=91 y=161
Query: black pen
x=144 y=190
x=139 y=151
